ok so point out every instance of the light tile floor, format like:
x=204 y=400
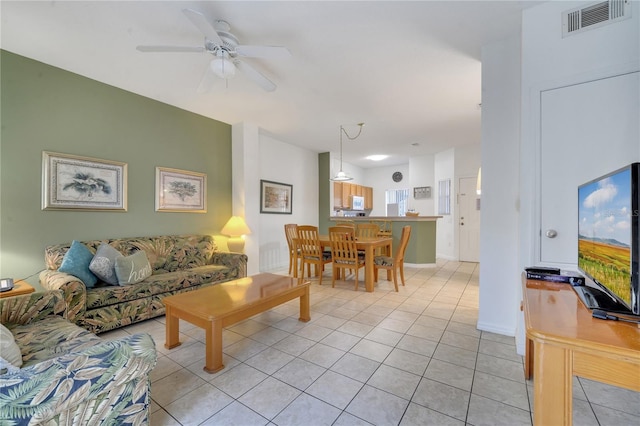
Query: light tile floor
x=383 y=358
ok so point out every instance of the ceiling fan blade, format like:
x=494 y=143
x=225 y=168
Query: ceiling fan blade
x=271 y=52
x=195 y=49
x=256 y=76
x=204 y=25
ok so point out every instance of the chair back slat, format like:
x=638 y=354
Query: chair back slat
x=309 y=242
x=367 y=230
x=291 y=232
x=343 y=244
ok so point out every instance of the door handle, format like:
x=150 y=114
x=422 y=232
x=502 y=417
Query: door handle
x=551 y=233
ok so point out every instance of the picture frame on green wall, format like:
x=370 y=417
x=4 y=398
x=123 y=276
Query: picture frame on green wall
x=73 y=182
x=180 y=191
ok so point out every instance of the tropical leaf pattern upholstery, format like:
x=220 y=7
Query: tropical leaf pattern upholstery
x=69 y=375
x=179 y=262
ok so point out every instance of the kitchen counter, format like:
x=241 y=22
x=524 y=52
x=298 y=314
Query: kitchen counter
x=421 y=249
x=389 y=218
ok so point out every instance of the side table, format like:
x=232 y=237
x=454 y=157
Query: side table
x=19 y=288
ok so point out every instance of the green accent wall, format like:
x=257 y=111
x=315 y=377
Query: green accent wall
x=324 y=192
x=44 y=108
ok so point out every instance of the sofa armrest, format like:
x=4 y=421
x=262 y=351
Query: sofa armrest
x=74 y=290
x=21 y=310
x=107 y=384
x=237 y=261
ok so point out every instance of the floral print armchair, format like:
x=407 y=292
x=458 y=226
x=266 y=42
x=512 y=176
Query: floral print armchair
x=70 y=376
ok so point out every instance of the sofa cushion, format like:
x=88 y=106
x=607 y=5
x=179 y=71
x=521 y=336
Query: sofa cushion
x=133 y=269
x=42 y=340
x=103 y=264
x=76 y=262
x=9 y=349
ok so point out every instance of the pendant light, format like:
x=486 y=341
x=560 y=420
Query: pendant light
x=341 y=176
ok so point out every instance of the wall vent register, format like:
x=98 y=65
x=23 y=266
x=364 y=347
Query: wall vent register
x=594 y=15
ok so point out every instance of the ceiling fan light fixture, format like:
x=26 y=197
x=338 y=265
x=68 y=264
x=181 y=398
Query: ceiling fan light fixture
x=222 y=66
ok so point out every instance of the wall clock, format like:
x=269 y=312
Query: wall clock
x=397 y=177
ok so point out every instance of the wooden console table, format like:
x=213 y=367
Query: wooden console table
x=563 y=340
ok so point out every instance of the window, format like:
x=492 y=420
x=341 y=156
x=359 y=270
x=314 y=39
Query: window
x=399 y=197
x=444 y=197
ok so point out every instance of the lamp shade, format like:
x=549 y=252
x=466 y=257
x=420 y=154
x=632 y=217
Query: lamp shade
x=341 y=177
x=235 y=227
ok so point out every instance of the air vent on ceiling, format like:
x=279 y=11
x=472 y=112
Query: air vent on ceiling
x=594 y=15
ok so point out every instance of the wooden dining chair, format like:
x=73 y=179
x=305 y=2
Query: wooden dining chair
x=395 y=263
x=344 y=252
x=291 y=232
x=367 y=230
x=384 y=227
x=311 y=252
x=346 y=222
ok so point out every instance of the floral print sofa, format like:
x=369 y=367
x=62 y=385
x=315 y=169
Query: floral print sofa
x=70 y=376
x=179 y=263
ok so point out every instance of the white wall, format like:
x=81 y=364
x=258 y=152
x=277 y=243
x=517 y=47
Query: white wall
x=444 y=168
x=301 y=171
x=379 y=178
x=255 y=157
x=421 y=170
x=499 y=266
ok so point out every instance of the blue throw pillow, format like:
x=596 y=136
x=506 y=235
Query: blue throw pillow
x=133 y=269
x=76 y=262
x=103 y=264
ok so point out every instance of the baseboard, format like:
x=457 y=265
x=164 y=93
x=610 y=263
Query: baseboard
x=493 y=328
x=420 y=265
x=445 y=257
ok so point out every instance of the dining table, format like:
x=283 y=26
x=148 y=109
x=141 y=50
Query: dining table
x=369 y=246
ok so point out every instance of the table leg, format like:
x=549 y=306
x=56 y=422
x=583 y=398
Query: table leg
x=389 y=250
x=213 y=341
x=368 y=268
x=552 y=385
x=304 y=306
x=172 y=329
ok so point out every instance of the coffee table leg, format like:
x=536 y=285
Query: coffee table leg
x=213 y=360
x=172 y=329
x=304 y=306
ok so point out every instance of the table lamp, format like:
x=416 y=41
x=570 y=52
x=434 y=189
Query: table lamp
x=236 y=229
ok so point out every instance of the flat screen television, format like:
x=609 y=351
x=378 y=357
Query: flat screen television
x=609 y=241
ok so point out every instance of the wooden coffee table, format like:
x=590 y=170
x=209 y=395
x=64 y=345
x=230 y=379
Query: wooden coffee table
x=221 y=305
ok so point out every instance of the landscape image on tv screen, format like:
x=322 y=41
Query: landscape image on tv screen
x=604 y=232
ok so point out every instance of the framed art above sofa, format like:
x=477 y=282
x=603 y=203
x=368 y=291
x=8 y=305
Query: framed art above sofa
x=72 y=182
x=180 y=191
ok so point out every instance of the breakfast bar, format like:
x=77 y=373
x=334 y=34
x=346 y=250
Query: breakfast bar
x=422 y=245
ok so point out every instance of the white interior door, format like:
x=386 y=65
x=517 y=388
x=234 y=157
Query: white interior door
x=469 y=221
x=587 y=130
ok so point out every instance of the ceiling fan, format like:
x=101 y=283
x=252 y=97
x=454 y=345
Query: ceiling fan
x=226 y=51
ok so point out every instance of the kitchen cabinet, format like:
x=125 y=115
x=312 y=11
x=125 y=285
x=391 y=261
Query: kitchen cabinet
x=368 y=197
x=342 y=192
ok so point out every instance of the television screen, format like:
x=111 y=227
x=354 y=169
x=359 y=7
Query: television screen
x=608 y=234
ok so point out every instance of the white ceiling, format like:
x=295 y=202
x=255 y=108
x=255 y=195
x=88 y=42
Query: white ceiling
x=409 y=70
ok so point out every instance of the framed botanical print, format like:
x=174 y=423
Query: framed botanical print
x=72 y=182
x=180 y=191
